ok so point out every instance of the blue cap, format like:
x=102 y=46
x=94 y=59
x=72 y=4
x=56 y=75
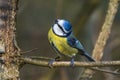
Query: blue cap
x=67 y=25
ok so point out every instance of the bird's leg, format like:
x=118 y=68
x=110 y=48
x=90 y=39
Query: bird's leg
x=72 y=62
x=53 y=60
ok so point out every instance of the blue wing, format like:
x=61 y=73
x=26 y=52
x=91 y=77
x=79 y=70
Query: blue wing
x=73 y=42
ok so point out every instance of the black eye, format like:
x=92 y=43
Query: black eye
x=61 y=27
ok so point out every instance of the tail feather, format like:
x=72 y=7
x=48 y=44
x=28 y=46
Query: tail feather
x=84 y=53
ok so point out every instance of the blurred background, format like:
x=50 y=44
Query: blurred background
x=34 y=19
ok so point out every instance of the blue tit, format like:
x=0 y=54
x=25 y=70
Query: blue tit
x=62 y=39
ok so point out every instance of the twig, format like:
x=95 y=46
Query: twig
x=29 y=51
x=39 y=58
x=106 y=71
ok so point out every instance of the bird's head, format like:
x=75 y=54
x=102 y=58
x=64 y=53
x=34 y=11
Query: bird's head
x=62 y=28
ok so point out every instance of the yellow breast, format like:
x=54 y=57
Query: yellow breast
x=61 y=44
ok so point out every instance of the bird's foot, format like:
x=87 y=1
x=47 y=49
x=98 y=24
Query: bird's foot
x=72 y=62
x=50 y=63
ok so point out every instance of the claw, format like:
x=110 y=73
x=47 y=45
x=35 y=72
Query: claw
x=51 y=62
x=72 y=62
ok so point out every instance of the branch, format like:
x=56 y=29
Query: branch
x=103 y=36
x=106 y=29
x=44 y=63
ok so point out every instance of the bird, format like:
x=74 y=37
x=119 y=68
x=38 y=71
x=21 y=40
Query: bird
x=62 y=39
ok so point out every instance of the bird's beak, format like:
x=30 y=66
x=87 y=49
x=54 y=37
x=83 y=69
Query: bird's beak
x=56 y=21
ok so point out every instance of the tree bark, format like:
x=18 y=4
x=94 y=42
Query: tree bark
x=9 y=51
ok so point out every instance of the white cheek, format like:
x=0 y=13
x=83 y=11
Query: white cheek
x=57 y=30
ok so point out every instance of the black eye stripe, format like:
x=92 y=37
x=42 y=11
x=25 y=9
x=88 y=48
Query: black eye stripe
x=65 y=34
x=61 y=28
